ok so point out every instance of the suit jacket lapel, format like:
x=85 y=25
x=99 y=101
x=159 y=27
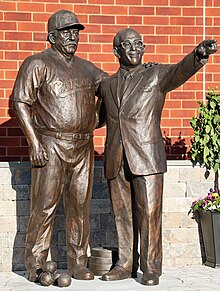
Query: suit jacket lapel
x=132 y=86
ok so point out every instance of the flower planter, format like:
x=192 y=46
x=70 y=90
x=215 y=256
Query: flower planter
x=210 y=225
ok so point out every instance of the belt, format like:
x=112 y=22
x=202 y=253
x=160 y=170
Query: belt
x=66 y=135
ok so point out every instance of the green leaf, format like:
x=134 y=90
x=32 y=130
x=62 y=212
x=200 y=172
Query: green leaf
x=212 y=104
x=216 y=119
x=216 y=167
x=214 y=139
x=206 y=138
x=197 y=138
x=207 y=128
x=205 y=154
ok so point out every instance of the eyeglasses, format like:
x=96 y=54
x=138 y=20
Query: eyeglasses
x=128 y=45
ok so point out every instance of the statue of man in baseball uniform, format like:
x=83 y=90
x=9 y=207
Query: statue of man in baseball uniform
x=54 y=102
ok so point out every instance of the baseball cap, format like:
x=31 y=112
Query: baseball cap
x=62 y=19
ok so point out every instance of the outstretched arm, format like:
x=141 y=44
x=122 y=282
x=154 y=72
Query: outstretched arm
x=172 y=76
x=37 y=153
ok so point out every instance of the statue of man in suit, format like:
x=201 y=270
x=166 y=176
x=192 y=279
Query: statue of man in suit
x=135 y=159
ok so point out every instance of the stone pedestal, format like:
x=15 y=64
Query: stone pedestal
x=183 y=184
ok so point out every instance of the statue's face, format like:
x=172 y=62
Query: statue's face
x=66 y=41
x=131 y=49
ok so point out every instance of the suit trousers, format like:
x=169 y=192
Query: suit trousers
x=140 y=195
x=69 y=172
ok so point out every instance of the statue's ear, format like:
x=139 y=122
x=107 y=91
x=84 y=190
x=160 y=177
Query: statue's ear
x=51 y=37
x=143 y=49
x=116 y=52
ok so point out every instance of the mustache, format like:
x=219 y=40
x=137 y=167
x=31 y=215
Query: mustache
x=70 y=43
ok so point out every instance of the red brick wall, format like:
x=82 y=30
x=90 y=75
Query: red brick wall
x=170 y=29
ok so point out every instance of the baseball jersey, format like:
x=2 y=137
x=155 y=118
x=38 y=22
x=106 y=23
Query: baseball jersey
x=61 y=94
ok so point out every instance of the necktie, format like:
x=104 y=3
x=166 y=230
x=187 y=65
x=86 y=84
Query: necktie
x=125 y=81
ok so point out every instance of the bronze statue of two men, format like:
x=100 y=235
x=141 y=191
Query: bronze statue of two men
x=54 y=101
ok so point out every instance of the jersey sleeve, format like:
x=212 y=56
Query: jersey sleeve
x=28 y=81
x=99 y=76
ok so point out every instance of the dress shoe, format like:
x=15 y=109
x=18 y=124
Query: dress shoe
x=150 y=279
x=82 y=273
x=117 y=273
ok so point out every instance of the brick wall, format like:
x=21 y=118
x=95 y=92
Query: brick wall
x=170 y=29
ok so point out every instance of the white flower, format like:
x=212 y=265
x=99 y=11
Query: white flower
x=213 y=207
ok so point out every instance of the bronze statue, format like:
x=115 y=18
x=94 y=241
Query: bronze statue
x=135 y=159
x=54 y=102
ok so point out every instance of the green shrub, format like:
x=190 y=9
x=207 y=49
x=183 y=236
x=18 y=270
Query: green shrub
x=206 y=141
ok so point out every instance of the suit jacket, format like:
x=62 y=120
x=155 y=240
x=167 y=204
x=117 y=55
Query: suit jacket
x=133 y=123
